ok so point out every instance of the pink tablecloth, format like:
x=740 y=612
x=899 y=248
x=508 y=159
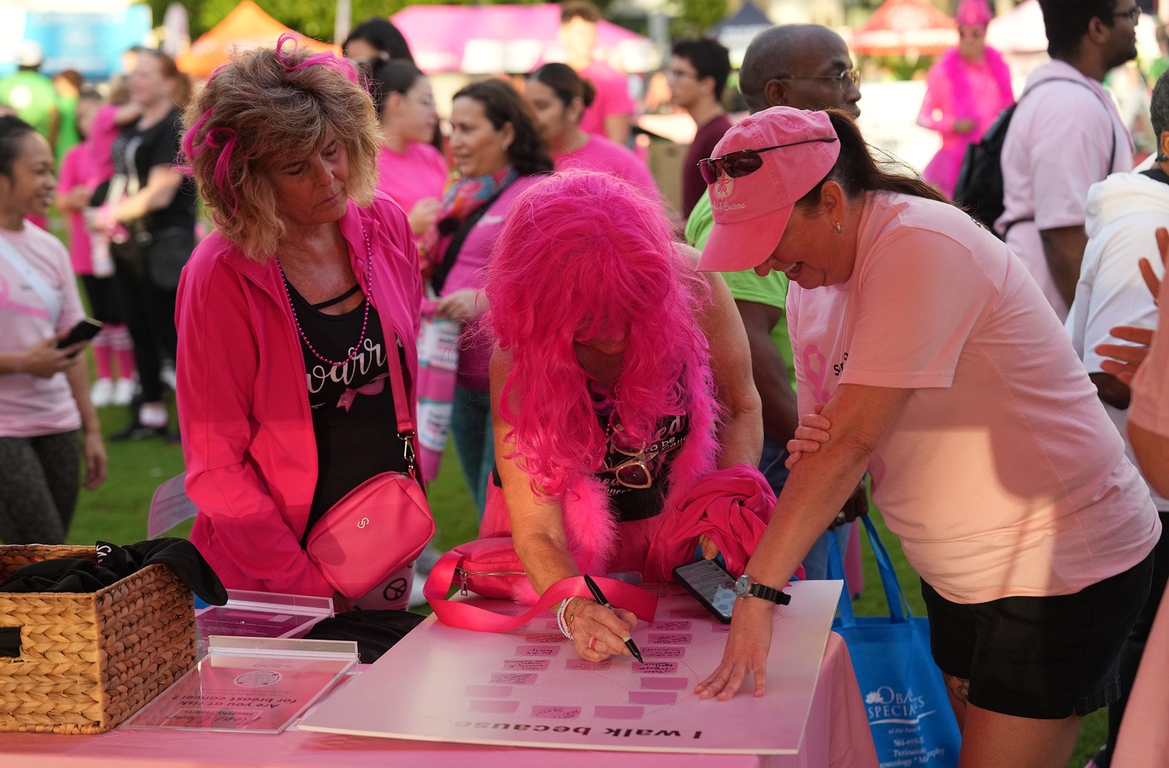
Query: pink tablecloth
x=837 y=736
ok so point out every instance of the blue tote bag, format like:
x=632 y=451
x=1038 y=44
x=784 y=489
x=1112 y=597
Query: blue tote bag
x=905 y=698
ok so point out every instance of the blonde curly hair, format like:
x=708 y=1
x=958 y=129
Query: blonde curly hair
x=268 y=107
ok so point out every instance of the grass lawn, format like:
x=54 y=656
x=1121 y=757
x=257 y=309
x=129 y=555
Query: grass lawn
x=117 y=513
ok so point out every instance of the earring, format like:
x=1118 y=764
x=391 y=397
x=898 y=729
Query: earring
x=839 y=227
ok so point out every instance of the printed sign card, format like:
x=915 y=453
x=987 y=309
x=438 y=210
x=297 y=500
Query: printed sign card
x=529 y=688
x=252 y=685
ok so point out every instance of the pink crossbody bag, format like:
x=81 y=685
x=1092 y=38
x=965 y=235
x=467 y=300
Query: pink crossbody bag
x=381 y=525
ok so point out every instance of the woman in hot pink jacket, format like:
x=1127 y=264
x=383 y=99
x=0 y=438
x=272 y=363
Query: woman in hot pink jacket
x=288 y=315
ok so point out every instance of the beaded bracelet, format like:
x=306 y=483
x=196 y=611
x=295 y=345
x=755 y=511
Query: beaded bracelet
x=564 y=630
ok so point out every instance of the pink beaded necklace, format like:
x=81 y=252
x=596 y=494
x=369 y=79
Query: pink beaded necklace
x=356 y=349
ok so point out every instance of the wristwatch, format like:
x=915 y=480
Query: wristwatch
x=748 y=587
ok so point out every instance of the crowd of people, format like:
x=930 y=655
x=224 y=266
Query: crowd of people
x=834 y=323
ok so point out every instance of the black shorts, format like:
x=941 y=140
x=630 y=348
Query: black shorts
x=1040 y=657
x=105 y=302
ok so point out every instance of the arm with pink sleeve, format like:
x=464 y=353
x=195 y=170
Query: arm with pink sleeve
x=937 y=110
x=217 y=368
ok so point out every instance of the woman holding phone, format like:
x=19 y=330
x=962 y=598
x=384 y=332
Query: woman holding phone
x=44 y=389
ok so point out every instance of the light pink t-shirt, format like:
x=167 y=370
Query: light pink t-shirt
x=1003 y=476
x=1057 y=147
x=77 y=170
x=29 y=405
x=604 y=156
x=612 y=97
x=416 y=174
x=101 y=139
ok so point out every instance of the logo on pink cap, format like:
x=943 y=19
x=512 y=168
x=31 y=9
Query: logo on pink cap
x=724 y=187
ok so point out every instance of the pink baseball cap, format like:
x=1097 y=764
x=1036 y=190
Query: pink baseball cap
x=751 y=211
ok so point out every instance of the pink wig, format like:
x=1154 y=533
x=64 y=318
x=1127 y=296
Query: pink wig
x=973 y=13
x=584 y=255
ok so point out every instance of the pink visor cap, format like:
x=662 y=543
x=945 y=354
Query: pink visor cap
x=751 y=211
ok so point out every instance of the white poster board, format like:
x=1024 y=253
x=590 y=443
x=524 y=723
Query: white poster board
x=529 y=688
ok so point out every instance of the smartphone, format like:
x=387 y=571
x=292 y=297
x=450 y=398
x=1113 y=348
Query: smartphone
x=83 y=331
x=711 y=585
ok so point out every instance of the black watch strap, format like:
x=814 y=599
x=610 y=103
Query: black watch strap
x=777 y=596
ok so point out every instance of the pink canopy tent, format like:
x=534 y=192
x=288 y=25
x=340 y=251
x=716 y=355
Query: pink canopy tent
x=902 y=27
x=485 y=39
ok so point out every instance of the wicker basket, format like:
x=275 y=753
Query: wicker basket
x=89 y=661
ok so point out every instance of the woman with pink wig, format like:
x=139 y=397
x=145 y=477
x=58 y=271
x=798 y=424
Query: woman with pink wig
x=292 y=316
x=966 y=90
x=621 y=377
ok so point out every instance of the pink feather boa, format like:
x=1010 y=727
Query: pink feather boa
x=960 y=89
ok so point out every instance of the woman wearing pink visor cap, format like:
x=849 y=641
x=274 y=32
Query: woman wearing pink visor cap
x=940 y=369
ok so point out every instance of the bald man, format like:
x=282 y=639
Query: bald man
x=805 y=66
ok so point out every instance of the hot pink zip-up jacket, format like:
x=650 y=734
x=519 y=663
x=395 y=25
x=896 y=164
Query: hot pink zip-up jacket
x=243 y=399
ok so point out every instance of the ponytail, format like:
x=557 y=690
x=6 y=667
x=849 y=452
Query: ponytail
x=857 y=171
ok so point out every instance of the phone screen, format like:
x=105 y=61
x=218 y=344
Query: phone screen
x=711 y=585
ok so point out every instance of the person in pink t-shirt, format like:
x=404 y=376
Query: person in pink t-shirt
x=410 y=170
x=611 y=113
x=558 y=96
x=79 y=177
x=44 y=390
x=940 y=370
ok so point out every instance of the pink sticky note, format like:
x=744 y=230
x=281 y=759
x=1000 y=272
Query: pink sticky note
x=619 y=713
x=664 y=683
x=652 y=697
x=497 y=707
x=663 y=652
x=514 y=678
x=671 y=626
x=580 y=665
x=653 y=668
x=489 y=691
x=671 y=639
x=536 y=650
x=526 y=665
x=556 y=713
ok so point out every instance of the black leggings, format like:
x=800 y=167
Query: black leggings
x=39 y=480
x=149 y=313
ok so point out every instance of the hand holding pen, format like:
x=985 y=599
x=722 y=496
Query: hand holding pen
x=626 y=638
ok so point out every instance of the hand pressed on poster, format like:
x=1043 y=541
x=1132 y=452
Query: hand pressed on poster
x=746 y=651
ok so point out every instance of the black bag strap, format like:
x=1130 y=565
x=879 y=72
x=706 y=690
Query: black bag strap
x=1111 y=123
x=438 y=279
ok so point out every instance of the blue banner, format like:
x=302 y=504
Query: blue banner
x=91 y=43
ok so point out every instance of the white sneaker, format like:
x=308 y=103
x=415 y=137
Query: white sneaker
x=124 y=390
x=153 y=415
x=167 y=376
x=102 y=393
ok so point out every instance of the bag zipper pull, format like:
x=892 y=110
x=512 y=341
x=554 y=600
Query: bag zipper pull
x=462 y=582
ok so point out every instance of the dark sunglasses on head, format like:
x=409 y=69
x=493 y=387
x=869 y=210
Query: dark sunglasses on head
x=744 y=161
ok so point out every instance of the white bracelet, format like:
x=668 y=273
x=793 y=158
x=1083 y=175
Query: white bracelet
x=560 y=618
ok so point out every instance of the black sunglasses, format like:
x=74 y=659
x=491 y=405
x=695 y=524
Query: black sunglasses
x=744 y=161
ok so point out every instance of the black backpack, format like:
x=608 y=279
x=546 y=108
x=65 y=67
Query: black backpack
x=980 y=182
